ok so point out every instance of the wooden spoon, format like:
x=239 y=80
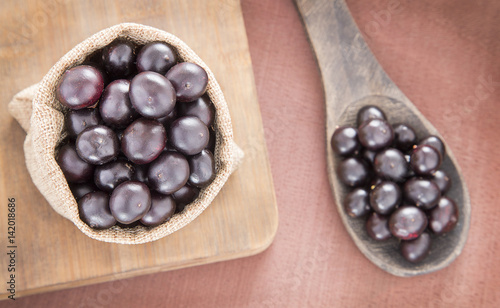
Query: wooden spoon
x=352 y=78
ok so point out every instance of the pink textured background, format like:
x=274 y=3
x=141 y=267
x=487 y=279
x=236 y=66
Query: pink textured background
x=438 y=53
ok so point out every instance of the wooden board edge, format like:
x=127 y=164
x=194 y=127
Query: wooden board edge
x=266 y=243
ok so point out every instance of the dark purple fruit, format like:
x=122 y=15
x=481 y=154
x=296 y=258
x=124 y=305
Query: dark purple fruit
x=377 y=227
x=391 y=164
x=202 y=108
x=202 y=168
x=157 y=57
x=404 y=137
x=141 y=173
x=353 y=172
x=81 y=189
x=345 y=141
x=162 y=209
x=385 y=197
x=425 y=160
x=422 y=193
x=185 y=195
x=188 y=135
x=78 y=120
x=130 y=201
x=118 y=59
x=416 y=250
x=375 y=181
x=143 y=140
x=94 y=210
x=444 y=217
x=356 y=203
x=119 y=135
x=152 y=95
x=189 y=80
x=407 y=222
x=369 y=156
x=369 y=112
x=108 y=176
x=211 y=141
x=80 y=87
x=73 y=167
x=115 y=107
x=167 y=121
x=168 y=173
x=435 y=142
x=97 y=145
x=442 y=180
x=375 y=134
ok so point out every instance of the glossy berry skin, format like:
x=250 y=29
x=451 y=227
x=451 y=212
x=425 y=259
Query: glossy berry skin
x=94 y=210
x=425 y=160
x=369 y=112
x=168 y=173
x=115 y=107
x=97 y=145
x=189 y=80
x=407 y=222
x=143 y=141
x=391 y=164
x=444 y=217
x=118 y=59
x=157 y=57
x=167 y=121
x=422 y=193
x=81 y=189
x=152 y=95
x=416 y=250
x=202 y=168
x=108 y=176
x=377 y=227
x=202 y=108
x=368 y=156
x=185 y=195
x=189 y=135
x=353 y=172
x=442 y=180
x=130 y=201
x=385 y=197
x=78 y=120
x=80 y=87
x=404 y=137
x=356 y=203
x=75 y=169
x=211 y=141
x=435 y=142
x=345 y=141
x=162 y=209
x=141 y=173
x=375 y=134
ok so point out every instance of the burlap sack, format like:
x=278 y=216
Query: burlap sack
x=42 y=116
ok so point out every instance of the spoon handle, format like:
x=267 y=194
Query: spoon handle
x=348 y=67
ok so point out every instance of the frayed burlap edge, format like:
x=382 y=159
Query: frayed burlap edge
x=42 y=116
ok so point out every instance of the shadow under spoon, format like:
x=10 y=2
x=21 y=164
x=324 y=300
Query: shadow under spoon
x=352 y=78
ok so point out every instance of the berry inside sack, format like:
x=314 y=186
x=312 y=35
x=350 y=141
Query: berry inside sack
x=130 y=136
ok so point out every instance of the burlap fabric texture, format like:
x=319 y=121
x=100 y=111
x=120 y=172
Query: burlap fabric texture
x=42 y=116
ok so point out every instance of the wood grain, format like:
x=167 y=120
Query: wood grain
x=52 y=254
x=352 y=78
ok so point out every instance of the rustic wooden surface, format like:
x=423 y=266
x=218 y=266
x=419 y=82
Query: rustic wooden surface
x=53 y=254
x=437 y=53
x=352 y=78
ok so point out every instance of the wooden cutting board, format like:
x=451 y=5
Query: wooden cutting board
x=51 y=252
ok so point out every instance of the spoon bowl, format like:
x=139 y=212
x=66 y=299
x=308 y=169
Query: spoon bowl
x=352 y=78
